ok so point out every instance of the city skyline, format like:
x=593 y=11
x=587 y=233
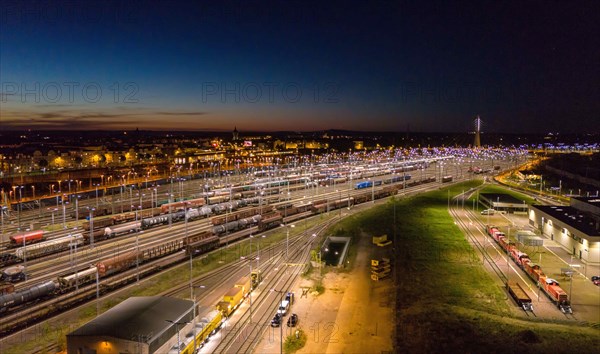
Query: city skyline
x=293 y=66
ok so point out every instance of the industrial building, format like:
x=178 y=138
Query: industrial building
x=138 y=325
x=576 y=228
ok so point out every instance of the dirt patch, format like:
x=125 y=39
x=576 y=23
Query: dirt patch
x=355 y=314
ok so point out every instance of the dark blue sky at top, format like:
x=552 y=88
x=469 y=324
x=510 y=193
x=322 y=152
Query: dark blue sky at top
x=298 y=65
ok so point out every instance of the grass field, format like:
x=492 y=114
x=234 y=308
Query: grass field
x=505 y=190
x=446 y=302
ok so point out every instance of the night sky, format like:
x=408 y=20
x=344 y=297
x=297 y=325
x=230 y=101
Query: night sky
x=299 y=65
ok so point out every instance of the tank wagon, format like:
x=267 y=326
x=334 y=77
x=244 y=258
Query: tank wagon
x=21 y=297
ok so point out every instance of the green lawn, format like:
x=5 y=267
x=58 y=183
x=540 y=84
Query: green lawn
x=446 y=301
x=504 y=190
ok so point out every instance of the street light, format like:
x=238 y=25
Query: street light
x=20 y=204
x=177 y=324
x=91 y=226
x=64 y=217
x=2 y=207
x=194 y=312
x=258 y=251
x=280 y=319
x=250 y=292
x=73 y=258
x=96 y=195
x=137 y=246
x=287 y=239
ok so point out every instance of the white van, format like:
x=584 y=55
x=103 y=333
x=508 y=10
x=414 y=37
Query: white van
x=283 y=308
x=488 y=212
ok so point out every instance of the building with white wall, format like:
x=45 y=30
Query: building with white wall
x=576 y=227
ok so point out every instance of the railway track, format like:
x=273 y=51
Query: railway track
x=478 y=246
x=248 y=330
x=330 y=194
x=497 y=252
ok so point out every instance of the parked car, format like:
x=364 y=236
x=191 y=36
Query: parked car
x=292 y=321
x=596 y=280
x=276 y=321
x=488 y=212
x=289 y=297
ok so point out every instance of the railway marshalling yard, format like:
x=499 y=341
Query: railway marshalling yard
x=356 y=314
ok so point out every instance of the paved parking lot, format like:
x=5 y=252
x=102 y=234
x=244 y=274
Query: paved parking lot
x=353 y=315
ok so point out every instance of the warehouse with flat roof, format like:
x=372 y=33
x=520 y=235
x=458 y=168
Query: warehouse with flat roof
x=137 y=325
x=575 y=227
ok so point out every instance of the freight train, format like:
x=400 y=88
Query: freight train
x=101 y=269
x=121 y=218
x=209 y=323
x=193 y=245
x=233 y=226
x=548 y=285
x=109 y=227
x=176 y=215
x=211 y=319
x=192 y=203
x=103 y=210
x=369 y=184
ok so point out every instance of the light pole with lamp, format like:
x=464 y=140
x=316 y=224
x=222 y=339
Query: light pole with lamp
x=20 y=205
x=287 y=239
x=194 y=313
x=73 y=259
x=64 y=217
x=281 y=292
x=177 y=324
x=96 y=195
x=258 y=252
x=137 y=246
x=2 y=207
x=250 y=259
x=91 y=226
x=25 y=258
x=97 y=292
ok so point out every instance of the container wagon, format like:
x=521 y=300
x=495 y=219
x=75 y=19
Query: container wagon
x=25 y=238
